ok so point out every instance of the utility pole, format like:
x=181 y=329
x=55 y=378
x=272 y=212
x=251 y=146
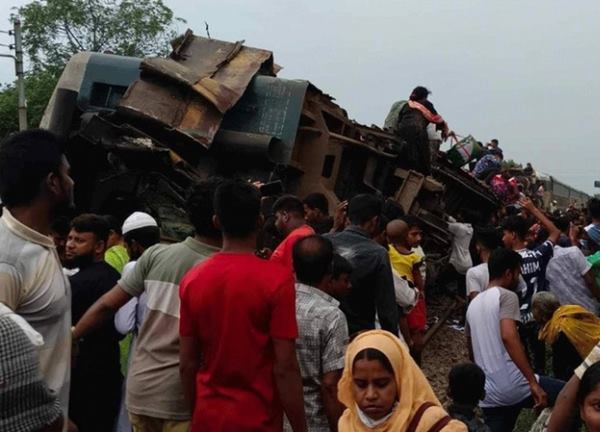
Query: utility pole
x=18 y=58
x=20 y=75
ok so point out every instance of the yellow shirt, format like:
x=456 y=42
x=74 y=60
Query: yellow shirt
x=404 y=264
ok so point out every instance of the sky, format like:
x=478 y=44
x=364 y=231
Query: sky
x=525 y=73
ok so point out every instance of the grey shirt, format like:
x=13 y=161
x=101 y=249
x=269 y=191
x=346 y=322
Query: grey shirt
x=321 y=344
x=565 y=275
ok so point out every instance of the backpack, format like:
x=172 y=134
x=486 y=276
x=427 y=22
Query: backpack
x=393 y=117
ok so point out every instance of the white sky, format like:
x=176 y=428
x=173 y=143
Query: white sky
x=523 y=72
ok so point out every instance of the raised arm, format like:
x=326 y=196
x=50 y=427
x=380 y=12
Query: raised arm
x=553 y=231
x=565 y=407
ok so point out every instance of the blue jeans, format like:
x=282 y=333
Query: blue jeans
x=503 y=419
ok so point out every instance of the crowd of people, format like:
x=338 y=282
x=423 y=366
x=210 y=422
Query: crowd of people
x=323 y=333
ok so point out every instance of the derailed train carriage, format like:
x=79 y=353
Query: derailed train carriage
x=141 y=131
x=563 y=194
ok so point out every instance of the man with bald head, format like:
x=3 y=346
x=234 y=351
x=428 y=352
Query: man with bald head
x=322 y=332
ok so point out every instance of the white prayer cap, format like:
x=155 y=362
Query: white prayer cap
x=138 y=220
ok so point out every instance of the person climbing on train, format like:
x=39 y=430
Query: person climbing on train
x=413 y=119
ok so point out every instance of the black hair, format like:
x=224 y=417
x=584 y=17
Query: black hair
x=413 y=222
x=200 y=206
x=497 y=152
x=146 y=236
x=89 y=222
x=289 y=204
x=364 y=207
x=593 y=207
x=392 y=209
x=383 y=223
x=589 y=382
x=114 y=224
x=488 y=237
x=26 y=159
x=237 y=204
x=61 y=226
x=495 y=140
x=502 y=260
x=419 y=93
x=374 y=354
x=562 y=223
x=470 y=216
x=313 y=259
x=340 y=266
x=466 y=384
x=517 y=225
x=317 y=201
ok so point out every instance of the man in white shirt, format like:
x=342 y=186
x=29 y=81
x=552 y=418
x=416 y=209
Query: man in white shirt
x=477 y=279
x=34 y=187
x=571 y=280
x=140 y=231
x=495 y=345
x=460 y=256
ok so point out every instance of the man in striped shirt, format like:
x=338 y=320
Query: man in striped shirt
x=155 y=399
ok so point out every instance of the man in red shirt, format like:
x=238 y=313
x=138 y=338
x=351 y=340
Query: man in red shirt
x=290 y=222
x=238 y=328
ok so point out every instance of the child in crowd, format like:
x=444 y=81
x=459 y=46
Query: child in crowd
x=466 y=387
x=340 y=277
x=588 y=396
x=403 y=236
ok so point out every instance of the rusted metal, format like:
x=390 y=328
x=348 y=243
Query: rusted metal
x=190 y=91
x=145 y=154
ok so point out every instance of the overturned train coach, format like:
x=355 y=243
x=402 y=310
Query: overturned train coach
x=140 y=132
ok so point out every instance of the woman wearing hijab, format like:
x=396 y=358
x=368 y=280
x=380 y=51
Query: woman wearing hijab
x=414 y=117
x=571 y=330
x=384 y=390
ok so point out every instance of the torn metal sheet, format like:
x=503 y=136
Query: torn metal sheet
x=190 y=91
x=174 y=107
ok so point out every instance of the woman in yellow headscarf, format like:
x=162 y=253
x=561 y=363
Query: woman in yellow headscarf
x=384 y=390
x=571 y=330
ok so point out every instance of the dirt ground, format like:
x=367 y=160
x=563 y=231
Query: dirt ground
x=447 y=348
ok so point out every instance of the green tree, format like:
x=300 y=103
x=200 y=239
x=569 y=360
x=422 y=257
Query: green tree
x=510 y=164
x=38 y=89
x=54 y=30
